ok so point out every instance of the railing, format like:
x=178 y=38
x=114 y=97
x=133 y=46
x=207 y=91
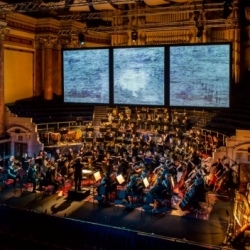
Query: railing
x=205 y=132
x=53 y=126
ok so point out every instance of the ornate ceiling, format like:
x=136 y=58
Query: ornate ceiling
x=114 y=16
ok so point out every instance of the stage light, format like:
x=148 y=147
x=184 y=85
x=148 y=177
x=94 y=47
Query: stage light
x=81 y=38
x=228 y=8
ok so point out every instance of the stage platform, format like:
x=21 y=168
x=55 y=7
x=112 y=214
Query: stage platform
x=78 y=195
x=200 y=228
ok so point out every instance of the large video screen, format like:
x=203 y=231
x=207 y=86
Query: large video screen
x=86 y=76
x=139 y=76
x=200 y=76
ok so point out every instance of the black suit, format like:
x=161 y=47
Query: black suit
x=78 y=166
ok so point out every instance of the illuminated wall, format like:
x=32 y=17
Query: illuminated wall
x=18 y=74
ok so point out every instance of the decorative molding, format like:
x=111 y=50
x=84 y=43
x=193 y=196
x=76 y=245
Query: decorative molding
x=3 y=32
x=47 y=25
x=47 y=41
x=247 y=13
x=21 y=22
x=20 y=40
x=69 y=42
x=99 y=40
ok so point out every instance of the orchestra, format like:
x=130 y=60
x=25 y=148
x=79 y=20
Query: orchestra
x=167 y=153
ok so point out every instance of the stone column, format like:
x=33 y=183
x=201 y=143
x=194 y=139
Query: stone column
x=48 y=66
x=39 y=67
x=3 y=32
x=57 y=69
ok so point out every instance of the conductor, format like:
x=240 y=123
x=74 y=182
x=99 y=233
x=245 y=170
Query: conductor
x=78 y=166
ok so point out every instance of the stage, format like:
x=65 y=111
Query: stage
x=196 y=228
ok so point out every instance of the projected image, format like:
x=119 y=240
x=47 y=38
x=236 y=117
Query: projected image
x=139 y=76
x=86 y=76
x=200 y=76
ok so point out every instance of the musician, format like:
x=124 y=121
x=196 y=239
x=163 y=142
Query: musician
x=40 y=174
x=40 y=158
x=131 y=187
x=162 y=187
x=149 y=118
x=158 y=118
x=66 y=173
x=176 y=121
x=218 y=167
x=160 y=145
x=155 y=162
x=121 y=119
x=12 y=170
x=70 y=154
x=50 y=178
x=127 y=119
x=134 y=169
x=57 y=154
x=179 y=147
x=194 y=159
x=26 y=161
x=138 y=118
x=32 y=176
x=1 y=162
x=186 y=150
x=191 y=136
x=178 y=133
x=198 y=138
x=168 y=186
x=110 y=118
x=78 y=167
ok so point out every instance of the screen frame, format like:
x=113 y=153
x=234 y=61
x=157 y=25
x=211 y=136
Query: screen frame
x=109 y=76
x=165 y=83
x=167 y=86
x=168 y=104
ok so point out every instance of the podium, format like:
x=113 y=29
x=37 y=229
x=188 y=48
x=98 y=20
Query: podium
x=78 y=195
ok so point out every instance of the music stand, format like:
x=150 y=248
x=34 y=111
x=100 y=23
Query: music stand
x=89 y=139
x=97 y=176
x=90 y=129
x=102 y=130
x=146 y=182
x=101 y=140
x=104 y=120
x=120 y=179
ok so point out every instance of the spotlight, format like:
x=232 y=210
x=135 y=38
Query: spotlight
x=228 y=8
x=134 y=36
x=199 y=32
x=81 y=38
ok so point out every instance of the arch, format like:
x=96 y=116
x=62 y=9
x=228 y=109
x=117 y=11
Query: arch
x=20 y=129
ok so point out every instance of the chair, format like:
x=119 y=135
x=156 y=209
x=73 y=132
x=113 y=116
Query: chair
x=23 y=184
x=6 y=182
x=120 y=201
x=148 y=205
x=100 y=198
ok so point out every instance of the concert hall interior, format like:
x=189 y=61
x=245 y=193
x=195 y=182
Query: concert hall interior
x=125 y=124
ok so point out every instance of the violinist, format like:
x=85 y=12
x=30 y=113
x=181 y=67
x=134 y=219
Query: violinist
x=32 y=176
x=66 y=173
x=13 y=169
x=26 y=161
x=135 y=168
